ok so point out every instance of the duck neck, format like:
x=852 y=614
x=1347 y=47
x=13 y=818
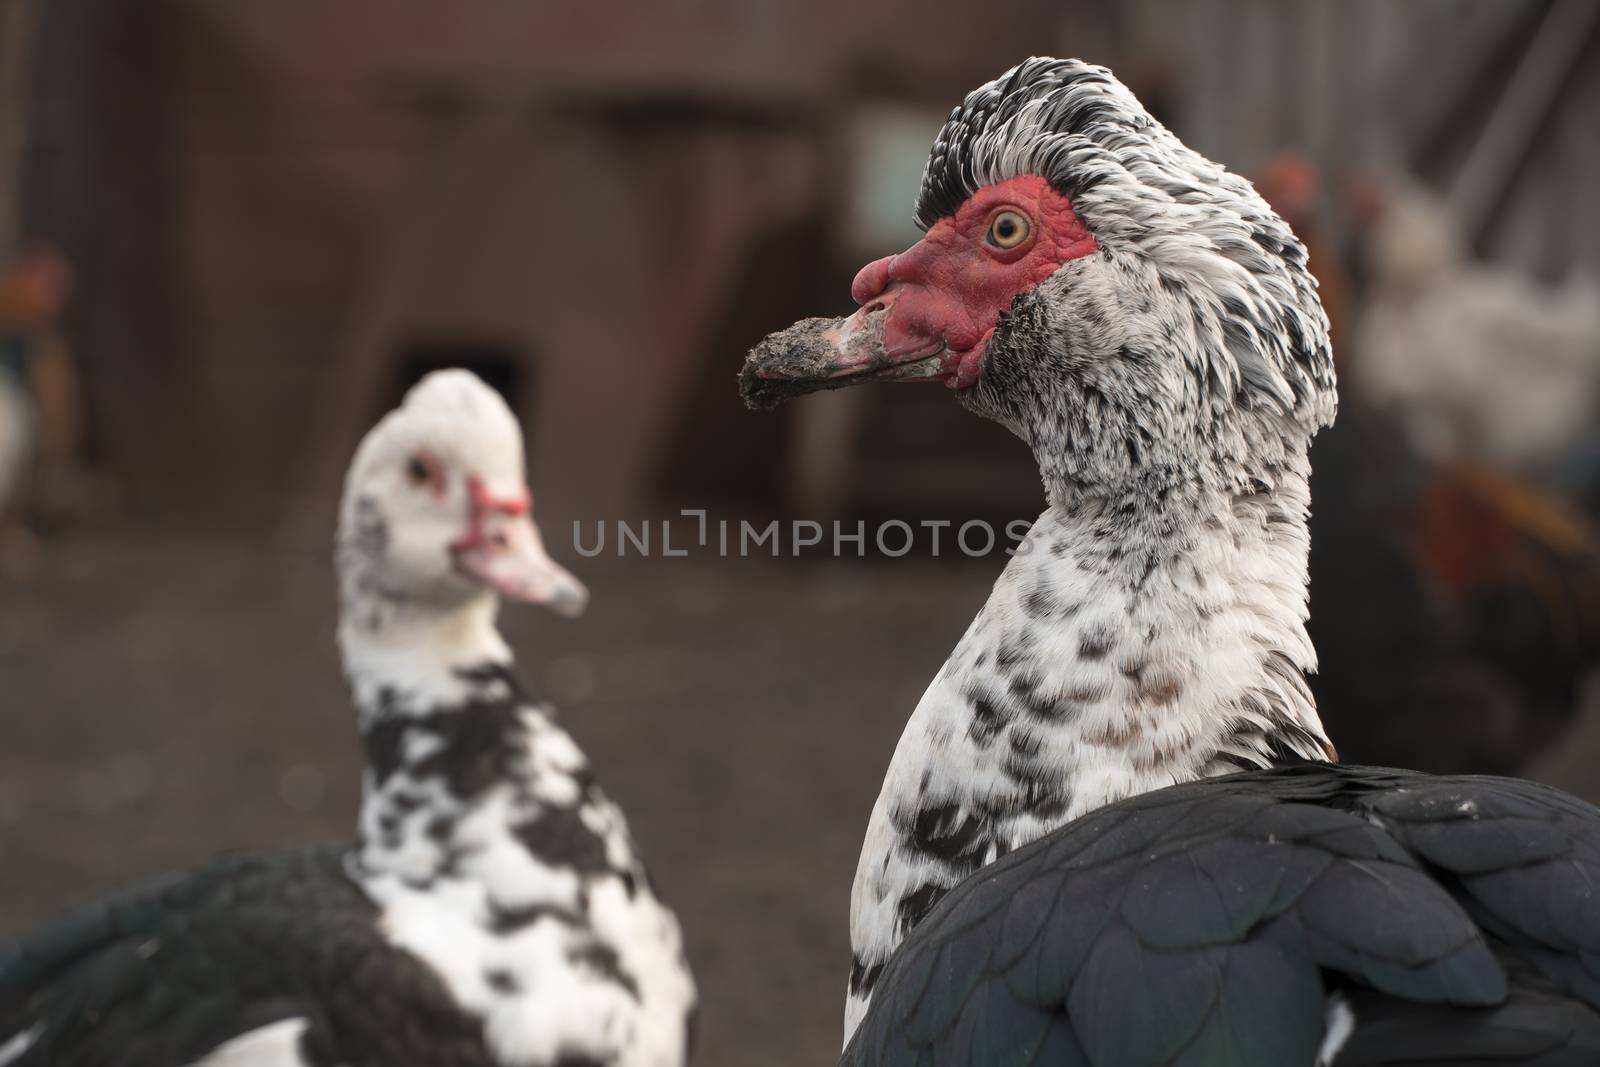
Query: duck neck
x=444 y=726
x=1132 y=642
x=412 y=657
x=1144 y=638
x=1136 y=640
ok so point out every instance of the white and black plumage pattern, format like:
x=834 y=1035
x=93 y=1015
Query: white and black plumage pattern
x=1079 y=684
x=497 y=860
x=1195 y=272
x=1147 y=644
x=494 y=910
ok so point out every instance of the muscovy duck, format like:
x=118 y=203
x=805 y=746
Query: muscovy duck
x=1113 y=831
x=493 y=909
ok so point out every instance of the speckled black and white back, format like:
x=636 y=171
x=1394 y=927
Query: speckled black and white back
x=495 y=858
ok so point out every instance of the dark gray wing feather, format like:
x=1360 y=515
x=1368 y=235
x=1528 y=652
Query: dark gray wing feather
x=1208 y=922
x=163 y=973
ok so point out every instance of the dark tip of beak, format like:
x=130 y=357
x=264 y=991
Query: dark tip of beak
x=570 y=601
x=788 y=364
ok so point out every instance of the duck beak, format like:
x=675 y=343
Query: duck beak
x=502 y=549
x=817 y=354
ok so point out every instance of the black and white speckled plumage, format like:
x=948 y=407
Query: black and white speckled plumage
x=1152 y=633
x=494 y=909
x=497 y=860
x=1193 y=338
x=491 y=852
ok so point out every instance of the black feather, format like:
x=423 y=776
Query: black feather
x=1209 y=922
x=161 y=974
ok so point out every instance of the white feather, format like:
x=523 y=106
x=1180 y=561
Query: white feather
x=1341 y=1023
x=19 y=1043
x=274 y=1045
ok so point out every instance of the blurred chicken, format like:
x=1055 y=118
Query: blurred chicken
x=1473 y=359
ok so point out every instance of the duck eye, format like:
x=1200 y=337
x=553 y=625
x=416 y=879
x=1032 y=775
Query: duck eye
x=1008 y=229
x=418 y=471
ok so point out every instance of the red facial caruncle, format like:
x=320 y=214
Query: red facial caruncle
x=502 y=549
x=946 y=293
x=484 y=505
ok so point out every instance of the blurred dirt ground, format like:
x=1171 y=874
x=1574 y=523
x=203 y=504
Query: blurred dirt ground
x=164 y=698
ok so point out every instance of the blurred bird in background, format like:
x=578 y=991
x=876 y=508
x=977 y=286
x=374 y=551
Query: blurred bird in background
x=493 y=909
x=1475 y=359
x=41 y=415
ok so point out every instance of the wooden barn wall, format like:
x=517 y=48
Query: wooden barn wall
x=16 y=33
x=268 y=202
x=281 y=197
